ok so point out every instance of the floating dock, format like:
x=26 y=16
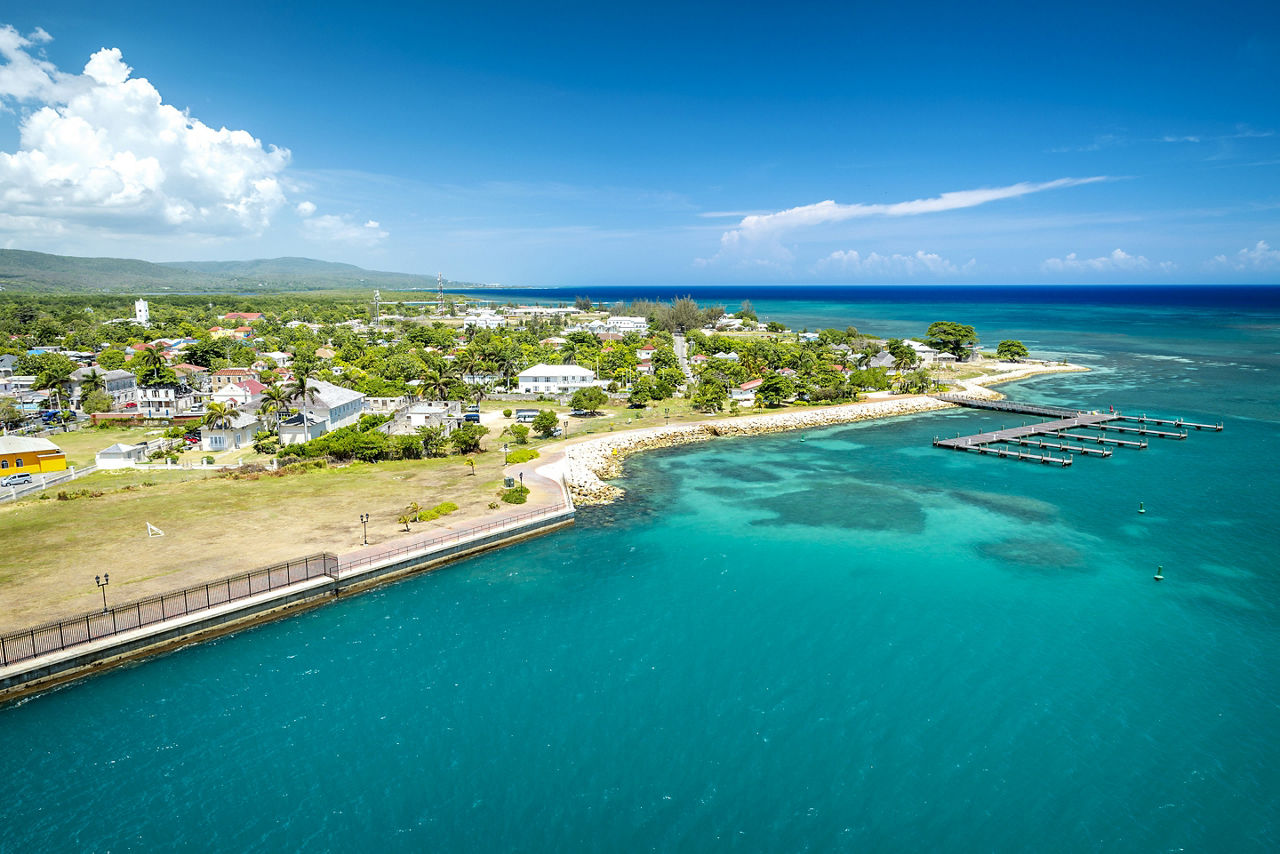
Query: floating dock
x=1060 y=426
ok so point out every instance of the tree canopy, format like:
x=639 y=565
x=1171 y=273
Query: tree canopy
x=951 y=337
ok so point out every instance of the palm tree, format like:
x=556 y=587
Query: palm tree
x=432 y=385
x=92 y=382
x=480 y=391
x=303 y=388
x=275 y=400
x=219 y=415
x=150 y=364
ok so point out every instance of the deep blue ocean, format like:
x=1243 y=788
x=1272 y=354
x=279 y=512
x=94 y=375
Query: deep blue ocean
x=854 y=642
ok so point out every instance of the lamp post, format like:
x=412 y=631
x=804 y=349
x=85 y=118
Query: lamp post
x=522 y=481
x=566 y=428
x=666 y=413
x=504 y=453
x=364 y=520
x=102 y=581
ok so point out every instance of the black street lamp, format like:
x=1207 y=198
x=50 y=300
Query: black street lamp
x=666 y=413
x=102 y=581
x=504 y=453
x=522 y=480
x=364 y=520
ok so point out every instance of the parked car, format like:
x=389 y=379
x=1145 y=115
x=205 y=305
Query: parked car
x=16 y=479
x=131 y=405
x=472 y=417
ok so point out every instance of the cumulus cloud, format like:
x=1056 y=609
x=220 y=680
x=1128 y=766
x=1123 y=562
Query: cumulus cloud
x=1259 y=257
x=759 y=234
x=337 y=229
x=895 y=266
x=305 y=209
x=1117 y=261
x=102 y=149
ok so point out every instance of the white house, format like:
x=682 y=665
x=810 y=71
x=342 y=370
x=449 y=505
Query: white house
x=927 y=354
x=554 y=379
x=627 y=323
x=120 y=386
x=746 y=393
x=164 y=401
x=483 y=320
x=333 y=407
x=434 y=413
x=121 y=456
x=238 y=435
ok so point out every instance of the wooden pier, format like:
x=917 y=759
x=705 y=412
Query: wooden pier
x=1063 y=422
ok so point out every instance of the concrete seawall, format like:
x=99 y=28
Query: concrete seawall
x=82 y=660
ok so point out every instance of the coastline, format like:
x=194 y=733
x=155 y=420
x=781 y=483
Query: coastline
x=584 y=466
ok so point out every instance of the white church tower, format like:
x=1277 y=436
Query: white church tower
x=141 y=313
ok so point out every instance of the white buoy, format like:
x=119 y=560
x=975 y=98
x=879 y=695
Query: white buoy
x=1141 y=509
x=1159 y=573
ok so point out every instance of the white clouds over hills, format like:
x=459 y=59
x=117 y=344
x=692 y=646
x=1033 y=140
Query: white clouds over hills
x=101 y=150
x=104 y=150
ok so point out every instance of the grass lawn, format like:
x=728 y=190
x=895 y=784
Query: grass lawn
x=80 y=446
x=214 y=526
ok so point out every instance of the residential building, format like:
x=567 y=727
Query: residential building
x=332 y=408
x=121 y=386
x=554 y=379
x=746 y=393
x=193 y=375
x=230 y=376
x=8 y=365
x=246 y=316
x=141 y=313
x=27 y=454
x=165 y=401
x=434 y=413
x=239 y=394
x=121 y=456
x=385 y=405
x=625 y=323
x=238 y=435
x=483 y=320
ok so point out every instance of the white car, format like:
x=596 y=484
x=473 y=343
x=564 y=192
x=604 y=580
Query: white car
x=21 y=479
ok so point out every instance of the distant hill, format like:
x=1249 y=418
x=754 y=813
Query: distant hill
x=25 y=271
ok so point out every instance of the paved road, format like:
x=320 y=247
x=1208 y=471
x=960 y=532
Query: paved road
x=682 y=351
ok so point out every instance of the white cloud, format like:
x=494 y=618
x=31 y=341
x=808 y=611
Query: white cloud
x=305 y=209
x=1117 y=261
x=331 y=229
x=759 y=234
x=1260 y=257
x=895 y=266
x=103 y=150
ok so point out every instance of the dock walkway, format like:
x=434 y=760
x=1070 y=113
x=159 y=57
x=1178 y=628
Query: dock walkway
x=1063 y=422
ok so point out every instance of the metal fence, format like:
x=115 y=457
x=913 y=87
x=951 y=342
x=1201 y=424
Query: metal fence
x=52 y=637
x=424 y=544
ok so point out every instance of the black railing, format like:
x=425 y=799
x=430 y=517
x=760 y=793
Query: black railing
x=53 y=637
x=426 y=544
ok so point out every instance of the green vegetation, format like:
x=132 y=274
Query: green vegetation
x=1011 y=350
x=950 y=337
x=545 y=423
x=515 y=495
x=522 y=455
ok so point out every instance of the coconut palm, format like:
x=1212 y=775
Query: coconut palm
x=432 y=385
x=149 y=365
x=303 y=388
x=219 y=415
x=92 y=382
x=275 y=401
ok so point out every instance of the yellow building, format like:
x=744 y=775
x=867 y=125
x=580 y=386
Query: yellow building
x=25 y=454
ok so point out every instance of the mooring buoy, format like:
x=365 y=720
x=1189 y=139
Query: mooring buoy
x=1160 y=573
x=1141 y=509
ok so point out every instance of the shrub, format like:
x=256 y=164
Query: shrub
x=442 y=509
x=522 y=455
x=515 y=495
x=520 y=432
x=506 y=413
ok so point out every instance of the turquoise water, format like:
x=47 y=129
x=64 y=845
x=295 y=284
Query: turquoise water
x=856 y=642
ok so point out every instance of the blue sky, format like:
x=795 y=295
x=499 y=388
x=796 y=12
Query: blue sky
x=563 y=143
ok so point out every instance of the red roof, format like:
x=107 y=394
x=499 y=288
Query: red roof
x=243 y=329
x=252 y=386
x=750 y=384
x=233 y=372
x=188 y=368
x=242 y=315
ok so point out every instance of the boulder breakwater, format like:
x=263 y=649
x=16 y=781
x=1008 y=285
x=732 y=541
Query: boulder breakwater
x=588 y=464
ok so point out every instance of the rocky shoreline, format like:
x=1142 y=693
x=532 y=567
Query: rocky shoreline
x=588 y=464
